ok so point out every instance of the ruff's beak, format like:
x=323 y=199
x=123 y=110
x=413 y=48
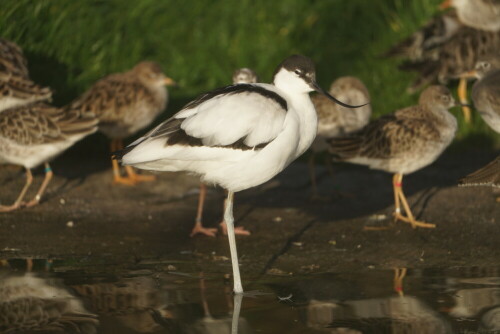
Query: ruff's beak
x=169 y=82
x=320 y=90
x=445 y=4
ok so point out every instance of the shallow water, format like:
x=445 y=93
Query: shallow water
x=156 y=298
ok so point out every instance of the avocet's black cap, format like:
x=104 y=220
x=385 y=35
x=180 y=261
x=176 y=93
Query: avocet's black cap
x=304 y=67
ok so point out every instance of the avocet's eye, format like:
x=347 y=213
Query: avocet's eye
x=486 y=65
x=298 y=72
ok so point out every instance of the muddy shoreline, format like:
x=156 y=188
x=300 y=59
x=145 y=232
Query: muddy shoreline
x=120 y=225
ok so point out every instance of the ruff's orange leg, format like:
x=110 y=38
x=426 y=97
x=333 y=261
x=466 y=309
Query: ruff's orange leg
x=462 y=95
x=240 y=230
x=132 y=175
x=410 y=218
x=399 y=275
x=397 y=208
x=116 y=144
x=396 y=184
x=198 y=227
x=48 y=176
x=19 y=200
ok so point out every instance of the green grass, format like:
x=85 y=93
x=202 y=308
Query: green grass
x=70 y=44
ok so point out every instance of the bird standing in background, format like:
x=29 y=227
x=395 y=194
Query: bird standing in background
x=246 y=76
x=32 y=132
x=36 y=133
x=403 y=142
x=486 y=98
x=447 y=46
x=238 y=136
x=126 y=103
x=478 y=14
x=16 y=88
x=335 y=120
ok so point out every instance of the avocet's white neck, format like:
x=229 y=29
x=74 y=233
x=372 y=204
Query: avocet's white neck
x=297 y=91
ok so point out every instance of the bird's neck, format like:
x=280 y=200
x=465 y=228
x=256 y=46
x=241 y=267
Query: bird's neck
x=303 y=107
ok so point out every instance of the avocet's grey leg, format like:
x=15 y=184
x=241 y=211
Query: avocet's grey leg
x=236 y=313
x=229 y=219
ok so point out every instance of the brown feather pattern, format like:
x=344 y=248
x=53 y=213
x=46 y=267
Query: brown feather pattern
x=40 y=124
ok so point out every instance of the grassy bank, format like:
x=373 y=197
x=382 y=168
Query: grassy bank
x=70 y=44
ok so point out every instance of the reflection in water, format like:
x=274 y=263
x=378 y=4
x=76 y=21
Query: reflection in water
x=132 y=302
x=144 y=301
x=490 y=321
x=386 y=315
x=34 y=303
x=232 y=323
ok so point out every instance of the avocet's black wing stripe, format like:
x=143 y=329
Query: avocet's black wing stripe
x=237 y=89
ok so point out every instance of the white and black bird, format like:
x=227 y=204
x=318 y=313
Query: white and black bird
x=238 y=136
x=242 y=75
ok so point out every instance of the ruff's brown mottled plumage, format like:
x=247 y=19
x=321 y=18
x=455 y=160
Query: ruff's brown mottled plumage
x=486 y=98
x=444 y=49
x=242 y=75
x=12 y=59
x=335 y=120
x=421 y=44
x=36 y=133
x=488 y=175
x=126 y=103
x=16 y=88
x=452 y=58
x=403 y=142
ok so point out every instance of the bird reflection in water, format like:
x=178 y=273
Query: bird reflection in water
x=29 y=302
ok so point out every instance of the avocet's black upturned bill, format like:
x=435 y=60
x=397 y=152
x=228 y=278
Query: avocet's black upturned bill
x=238 y=136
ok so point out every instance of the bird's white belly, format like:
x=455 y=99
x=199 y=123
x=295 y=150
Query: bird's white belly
x=232 y=169
x=405 y=163
x=31 y=156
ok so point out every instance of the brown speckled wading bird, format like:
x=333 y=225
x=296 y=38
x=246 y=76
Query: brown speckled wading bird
x=445 y=48
x=126 y=103
x=486 y=98
x=36 y=133
x=335 y=120
x=242 y=75
x=16 y=88
x=479 y=14
x=403 y=142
